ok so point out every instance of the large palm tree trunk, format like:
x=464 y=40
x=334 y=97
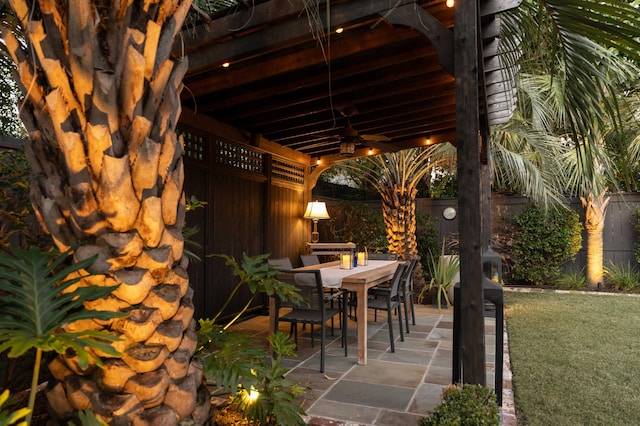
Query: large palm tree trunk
x=399 y=212
x=595 y=210
x=101 y=105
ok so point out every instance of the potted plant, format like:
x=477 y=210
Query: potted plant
x=443 y=270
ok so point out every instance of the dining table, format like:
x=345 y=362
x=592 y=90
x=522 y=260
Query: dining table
x=358 y=280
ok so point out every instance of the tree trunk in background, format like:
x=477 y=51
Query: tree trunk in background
x=399 y=212
x=102 y=103
x=595 y=210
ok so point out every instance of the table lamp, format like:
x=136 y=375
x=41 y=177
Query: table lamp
x=316 y=210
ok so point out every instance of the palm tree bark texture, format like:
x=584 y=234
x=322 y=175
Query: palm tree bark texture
x=595 y=210
x=399 y=212
x=101 y=105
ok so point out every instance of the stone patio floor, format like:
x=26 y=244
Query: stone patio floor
x=393 y=389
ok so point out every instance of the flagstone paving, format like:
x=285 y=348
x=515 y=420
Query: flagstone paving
x=393 y=389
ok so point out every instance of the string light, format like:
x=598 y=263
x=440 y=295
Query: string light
x=339 y=30
x=370 y=151
x=450 y=3
x=226 y=65
x=428 y=141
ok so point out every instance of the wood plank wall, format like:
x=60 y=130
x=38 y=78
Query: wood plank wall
x=255 y=202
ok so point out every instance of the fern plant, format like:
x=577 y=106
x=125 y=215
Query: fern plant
x=38 y=297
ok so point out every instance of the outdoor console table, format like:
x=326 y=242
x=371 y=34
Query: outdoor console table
x=494 y=293
x=323 y=249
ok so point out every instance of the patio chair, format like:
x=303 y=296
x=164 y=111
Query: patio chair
x=281 y=263
x=406 y=292
x=309 y=259
x=388 y=299
x=317 y=312
x=371 y=256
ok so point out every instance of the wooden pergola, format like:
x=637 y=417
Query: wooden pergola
x=271 y=100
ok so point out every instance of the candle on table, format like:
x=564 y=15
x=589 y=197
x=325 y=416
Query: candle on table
x=345 y=261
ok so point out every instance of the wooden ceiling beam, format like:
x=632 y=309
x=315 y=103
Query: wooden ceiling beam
x=232 y=98
x=280 y=32
x=280 y=63
x=298 y=99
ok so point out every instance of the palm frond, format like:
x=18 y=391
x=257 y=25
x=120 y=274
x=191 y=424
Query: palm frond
x=575 y=41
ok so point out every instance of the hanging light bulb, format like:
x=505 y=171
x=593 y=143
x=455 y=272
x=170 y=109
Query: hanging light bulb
x=450 y=3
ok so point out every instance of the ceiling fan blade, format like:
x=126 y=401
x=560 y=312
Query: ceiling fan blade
x=375 y=138
x=382 y=146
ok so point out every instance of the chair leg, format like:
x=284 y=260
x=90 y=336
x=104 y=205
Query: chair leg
x=322 y=330
x=312 y=333
x=400 y=322
x=294 y=325
x=390 y=325
x=406 y=315
x=344 y=327
x=413 y=312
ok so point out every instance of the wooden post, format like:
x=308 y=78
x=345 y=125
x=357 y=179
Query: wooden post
x=469 y=188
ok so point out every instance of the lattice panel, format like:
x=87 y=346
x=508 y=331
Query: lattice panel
x=194 y=144
x=289 y=172
x=238 y=157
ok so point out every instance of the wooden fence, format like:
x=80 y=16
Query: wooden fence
x=619 y=232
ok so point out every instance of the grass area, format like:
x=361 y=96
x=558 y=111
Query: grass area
x=574 y=358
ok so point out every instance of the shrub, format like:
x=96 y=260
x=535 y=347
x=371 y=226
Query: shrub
x=574 y=280
x=426 y=234
x=624 y=278
x=464 y=405
x=542 y=241
x=357 y=222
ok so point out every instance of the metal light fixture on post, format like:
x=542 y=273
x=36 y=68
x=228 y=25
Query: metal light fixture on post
x=316 y=210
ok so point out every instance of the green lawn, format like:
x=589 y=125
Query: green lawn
x=575 y=358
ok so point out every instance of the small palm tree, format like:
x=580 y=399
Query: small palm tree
x=396 y=176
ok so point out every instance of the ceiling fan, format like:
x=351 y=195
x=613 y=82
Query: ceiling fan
x=349 y=137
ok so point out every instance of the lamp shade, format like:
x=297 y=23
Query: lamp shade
x=316 y=210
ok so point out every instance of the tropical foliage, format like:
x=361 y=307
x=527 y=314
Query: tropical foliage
x=18 y=224
x=15 y=417
x=574 y=130
x=40 y=295
x=622 y=277
x=236 y=362
x=442 y=270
